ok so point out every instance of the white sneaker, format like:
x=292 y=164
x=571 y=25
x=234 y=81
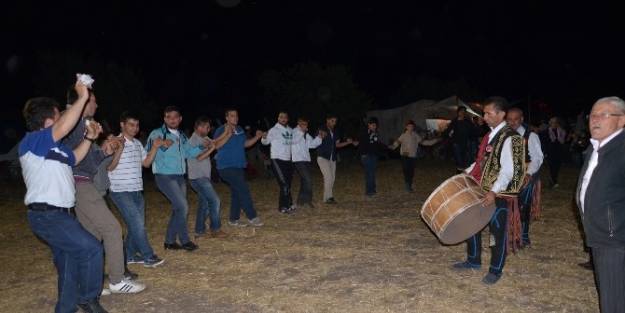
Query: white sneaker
x=256 y=222
x=105 y=292
x=127 y=286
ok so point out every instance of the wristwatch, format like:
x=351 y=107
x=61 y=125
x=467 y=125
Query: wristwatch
x=90 y=139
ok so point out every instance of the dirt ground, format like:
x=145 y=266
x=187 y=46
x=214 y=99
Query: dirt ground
x=361 y=255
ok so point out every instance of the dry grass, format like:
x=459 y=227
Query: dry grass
x=358 y=256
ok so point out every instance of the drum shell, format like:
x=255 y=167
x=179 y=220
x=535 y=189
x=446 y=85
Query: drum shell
x=454 y=210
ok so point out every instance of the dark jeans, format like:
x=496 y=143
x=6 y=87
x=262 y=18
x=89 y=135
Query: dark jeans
x=78 y=257
x=283 y=171
x=498 y=228
x=408 y=165
x=370 y=162
x=240 y=197
x=461 y=153
x=131 y=206
x=525 y=204
x=305 y=188
x=209 y=205
x=174 y=187
x=610 y=278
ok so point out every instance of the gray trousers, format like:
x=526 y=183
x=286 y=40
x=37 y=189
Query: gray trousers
x=95 y=216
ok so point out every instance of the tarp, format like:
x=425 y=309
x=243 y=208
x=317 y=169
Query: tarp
x=391 y=122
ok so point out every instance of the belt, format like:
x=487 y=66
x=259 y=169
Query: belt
x=82 y=179
x=42 y=206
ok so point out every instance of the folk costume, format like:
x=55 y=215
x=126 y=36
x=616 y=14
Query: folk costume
x=499 y=167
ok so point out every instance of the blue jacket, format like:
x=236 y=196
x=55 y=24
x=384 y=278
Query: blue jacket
x=171 y=161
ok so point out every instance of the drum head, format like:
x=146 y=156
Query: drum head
x=466 y=224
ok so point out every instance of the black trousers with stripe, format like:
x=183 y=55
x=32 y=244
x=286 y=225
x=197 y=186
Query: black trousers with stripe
x=610 y=278
x=283 y=171
x=498 y=228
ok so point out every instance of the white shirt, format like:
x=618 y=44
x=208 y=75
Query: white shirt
x=506 y=161
x=302 y=143
x=47 y=169
x=128 y=175
x=280 y=138
x=592 y=164
x=535 y=151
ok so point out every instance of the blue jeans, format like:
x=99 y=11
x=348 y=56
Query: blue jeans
x=174 y=187
x=239 y=193
x=370 y=162
x=78 y=257
x=209 y=205
x=132 y=208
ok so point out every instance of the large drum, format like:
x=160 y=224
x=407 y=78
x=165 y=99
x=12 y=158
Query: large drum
x=454 y=210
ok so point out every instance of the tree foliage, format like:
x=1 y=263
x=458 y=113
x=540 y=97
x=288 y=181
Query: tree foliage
x=118 y=87
x=313 y=91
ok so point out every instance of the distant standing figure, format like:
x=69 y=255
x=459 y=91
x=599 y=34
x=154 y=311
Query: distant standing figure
x=460 y=131
x=555 y=141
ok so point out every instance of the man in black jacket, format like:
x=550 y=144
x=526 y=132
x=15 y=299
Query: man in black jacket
x=601 y=200
x=370 y=147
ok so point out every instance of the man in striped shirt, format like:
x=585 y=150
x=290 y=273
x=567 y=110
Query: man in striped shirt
x=126 y=190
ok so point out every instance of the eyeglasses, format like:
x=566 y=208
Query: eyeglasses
x=603 y=116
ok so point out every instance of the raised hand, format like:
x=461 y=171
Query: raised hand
x=94 y=129
x=260 y=133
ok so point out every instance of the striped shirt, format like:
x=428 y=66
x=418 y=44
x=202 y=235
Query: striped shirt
x=127 y=176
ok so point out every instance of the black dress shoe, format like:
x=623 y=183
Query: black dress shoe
x=189 y=246
x=586 y=265
x=172 y=246
x=92 y=306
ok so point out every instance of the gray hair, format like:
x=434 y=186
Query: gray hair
x=617 y=102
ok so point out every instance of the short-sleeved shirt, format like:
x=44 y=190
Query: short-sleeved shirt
x=198 y=169
x=232 y=153
x=128 y=175
x=47 y=169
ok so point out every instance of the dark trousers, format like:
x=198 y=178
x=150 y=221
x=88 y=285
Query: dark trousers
x=240 y=197
x=407 y=166
x=305 y=189
x=369 y=162
x=554 y=159
x=525 y=204
x=78 y=257
x=610 y=278
x=461 y=154
x=283 y=170
x=498 y=228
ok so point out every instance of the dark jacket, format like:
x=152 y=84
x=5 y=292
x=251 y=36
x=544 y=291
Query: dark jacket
x=369 y=143
x=327 y=149
x=603 y=216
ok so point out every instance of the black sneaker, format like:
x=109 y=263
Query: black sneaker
x=491 y=278
x=331 y=201
x=153 y=262
x=284 y=210
x=92 y=306
x=190 y=246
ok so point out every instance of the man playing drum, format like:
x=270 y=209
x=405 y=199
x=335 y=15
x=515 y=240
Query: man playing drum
x=499 y=168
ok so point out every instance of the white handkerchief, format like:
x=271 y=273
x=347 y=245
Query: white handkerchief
x=85 y=79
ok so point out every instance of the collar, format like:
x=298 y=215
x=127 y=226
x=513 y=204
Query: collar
x=282 y=126
x=596 y=144
x=521 y=130
x=495 y=130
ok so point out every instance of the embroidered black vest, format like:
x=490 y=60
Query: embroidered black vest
x=492 y=166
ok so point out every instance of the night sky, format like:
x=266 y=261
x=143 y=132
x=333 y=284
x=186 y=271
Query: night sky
x=565 y=54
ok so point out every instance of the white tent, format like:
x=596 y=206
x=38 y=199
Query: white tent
x=427 y=115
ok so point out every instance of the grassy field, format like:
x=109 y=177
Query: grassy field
x=361 y=255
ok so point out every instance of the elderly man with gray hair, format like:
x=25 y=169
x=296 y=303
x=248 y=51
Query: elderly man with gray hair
x=601 y=200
